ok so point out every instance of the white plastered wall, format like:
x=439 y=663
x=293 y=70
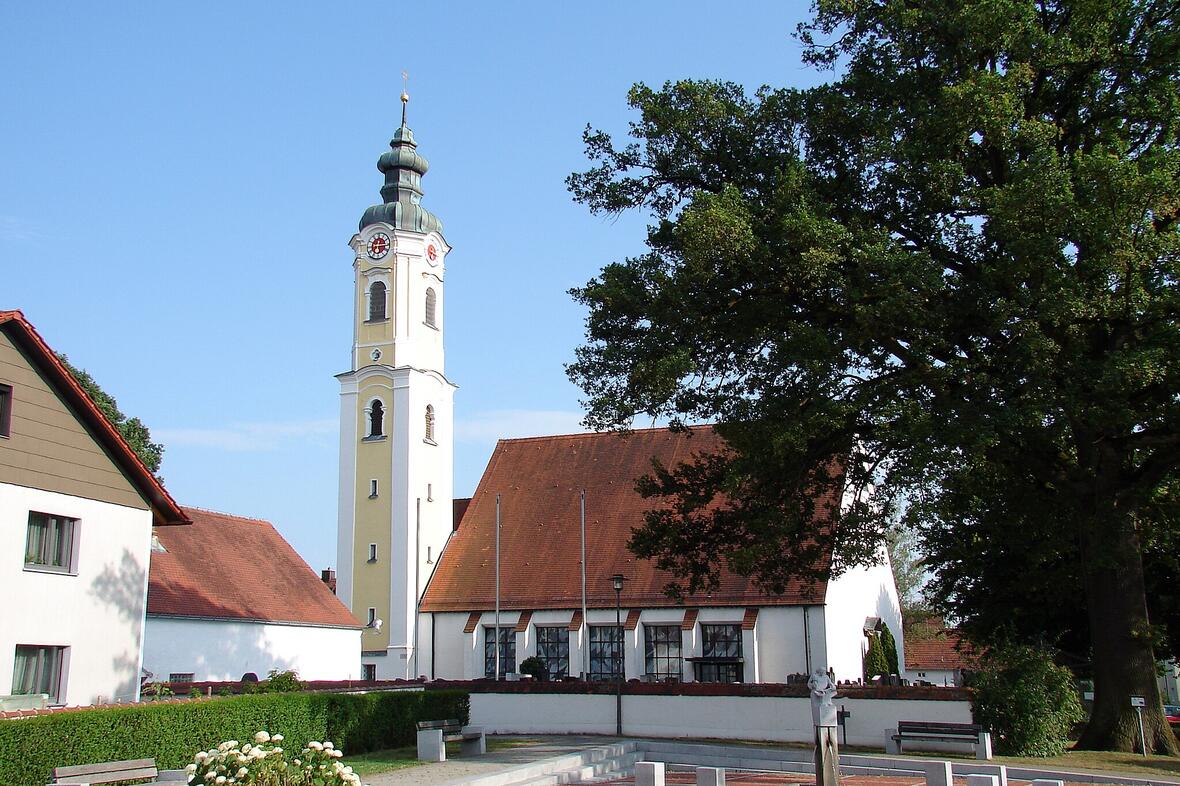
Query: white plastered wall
x=97 y=612
x=218 y=650
x=856 y=594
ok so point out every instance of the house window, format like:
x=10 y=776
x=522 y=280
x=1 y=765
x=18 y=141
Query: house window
x=606 y=652
x=180 y=676
x=721 y=655
x=376 y=418
x=553 y=648
x=429 y=492
x=369 y=672
x=373 y=488
x=50 y=542
x=5 y=410
x=372 y=617
x=372 y=552
x=662 y=651
x=38 y=670
x=376 y=301
x=431 y=307
x=507 y=650
x=429 y=424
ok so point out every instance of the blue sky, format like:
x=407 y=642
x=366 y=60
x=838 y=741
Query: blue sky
x=178 y=183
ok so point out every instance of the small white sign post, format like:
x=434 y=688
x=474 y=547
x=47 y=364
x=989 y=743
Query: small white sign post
x=1139 y=702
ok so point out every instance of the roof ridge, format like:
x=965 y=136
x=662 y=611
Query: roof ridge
x=588 y=434
x=231 y=515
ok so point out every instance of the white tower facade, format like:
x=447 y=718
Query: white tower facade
x=396 y=418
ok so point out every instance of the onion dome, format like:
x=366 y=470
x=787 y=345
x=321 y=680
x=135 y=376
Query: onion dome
x=403 y=167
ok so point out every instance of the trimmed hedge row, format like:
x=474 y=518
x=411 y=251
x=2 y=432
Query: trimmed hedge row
x=172 y=732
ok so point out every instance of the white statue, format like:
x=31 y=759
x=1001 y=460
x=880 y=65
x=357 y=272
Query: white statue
x=823 y=711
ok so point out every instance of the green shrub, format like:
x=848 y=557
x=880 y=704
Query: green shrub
x=281 y=682
x=889 y=648
x=172 y=732
x=1027 y=701
x=875 y=662
x=534 y=667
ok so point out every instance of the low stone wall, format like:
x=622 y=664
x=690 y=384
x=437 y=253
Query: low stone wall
x=773 y=713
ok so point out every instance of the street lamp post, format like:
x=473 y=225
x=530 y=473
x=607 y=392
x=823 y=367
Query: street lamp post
x=618 y=580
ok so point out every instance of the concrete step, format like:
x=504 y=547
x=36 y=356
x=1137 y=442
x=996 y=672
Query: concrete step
x=602 y=770
x=561 y=769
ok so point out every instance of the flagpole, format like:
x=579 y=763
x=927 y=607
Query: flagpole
x=496 y=646
x=582 y=631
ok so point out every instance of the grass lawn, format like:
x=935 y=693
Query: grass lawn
x=377 y=762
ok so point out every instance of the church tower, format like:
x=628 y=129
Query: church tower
x=396 y=441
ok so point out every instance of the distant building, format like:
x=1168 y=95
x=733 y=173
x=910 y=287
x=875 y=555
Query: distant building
x=77 y=508
x=228 y=596
x=938 y=655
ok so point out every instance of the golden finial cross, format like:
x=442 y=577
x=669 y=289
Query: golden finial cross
x=405 y=94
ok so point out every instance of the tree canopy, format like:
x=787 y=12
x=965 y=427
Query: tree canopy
x=132 y=429
x=948 y=276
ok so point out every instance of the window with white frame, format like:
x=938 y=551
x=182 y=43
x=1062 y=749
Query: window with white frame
x=553 y=648
x=377 y=301
x=49 y=544
x=376 y=419
x=38 y=669
x=431 y=307
x=507 y=650
x=721 y=654
x=662 y=656
x=606 y=652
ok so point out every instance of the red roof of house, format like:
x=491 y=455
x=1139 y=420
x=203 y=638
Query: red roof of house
x=164 y=509
x=539 y=480
x=935 y=647
x=237 y=568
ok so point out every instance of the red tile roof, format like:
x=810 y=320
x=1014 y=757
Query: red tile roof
x=165 y=511
x=539 y=480
x=237 y=568
x=934 y=647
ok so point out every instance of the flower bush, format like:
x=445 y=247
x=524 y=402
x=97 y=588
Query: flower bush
x=264 y=763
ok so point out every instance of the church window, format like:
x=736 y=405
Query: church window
x=431 y=307
x=376 y=301
x=373 y=488
x=553 y=648
x=662 y=651
x=721 y=655
x=429 y=424
x=372 y=552
x=376 y=418
x=606 y=652
x=370 y=672
x=507 y=650
x=372 y=618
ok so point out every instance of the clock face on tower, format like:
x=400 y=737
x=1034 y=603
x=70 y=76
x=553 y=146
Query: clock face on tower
x=378 y=245
x=431 y=253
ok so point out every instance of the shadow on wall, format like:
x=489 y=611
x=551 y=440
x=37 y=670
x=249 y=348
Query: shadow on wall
x=121 y=587
x=212 y=650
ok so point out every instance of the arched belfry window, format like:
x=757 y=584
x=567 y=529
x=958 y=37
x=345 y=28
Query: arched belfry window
x=429 y=423
x=431 y=307
x=376 y=301
x=376 y=418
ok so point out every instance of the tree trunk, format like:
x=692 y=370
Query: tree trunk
x=1120 y=636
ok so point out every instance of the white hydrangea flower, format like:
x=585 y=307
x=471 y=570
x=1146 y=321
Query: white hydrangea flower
x=210 y=775
x=328 y=745
x=277 y=738
x=220 y=780
x=315 y=746
x=262 y=736
x=242 y=772
x=190 y=769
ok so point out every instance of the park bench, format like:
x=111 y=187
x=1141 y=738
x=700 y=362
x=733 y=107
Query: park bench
x=969 y=733
x=115 y=772
x=433 y=737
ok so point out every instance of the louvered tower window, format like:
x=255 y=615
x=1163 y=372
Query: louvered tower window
x=376 y=301
x=431 y=307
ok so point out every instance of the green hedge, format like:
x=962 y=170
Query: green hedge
x=172 y=732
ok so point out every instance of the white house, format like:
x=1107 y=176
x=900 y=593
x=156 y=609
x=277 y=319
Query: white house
x=228 y=596
x=77 y=509
x=937 y=655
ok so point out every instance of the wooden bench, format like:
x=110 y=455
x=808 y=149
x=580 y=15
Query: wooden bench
x=969 y=733
x=433 y=737
x=114 y=772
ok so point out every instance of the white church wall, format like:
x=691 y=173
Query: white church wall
x=224 y=650
x=856 y=594
x=773 y=719
x=781 y=643
x=95 y=611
